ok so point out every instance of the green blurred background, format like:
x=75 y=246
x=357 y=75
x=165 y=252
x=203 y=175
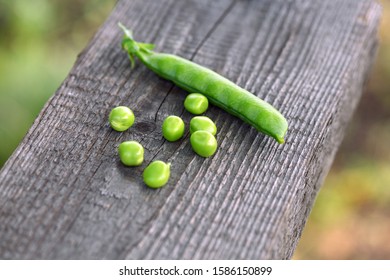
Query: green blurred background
x=40 y=40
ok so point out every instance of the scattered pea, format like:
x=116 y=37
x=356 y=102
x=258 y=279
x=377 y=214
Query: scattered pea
x=203 y=143
x=156 y=174
x=202 y=123
x=121 y=118
x=196 y=103
x=131 y=153
x=173 y=128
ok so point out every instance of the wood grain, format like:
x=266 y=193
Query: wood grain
x=65 y=195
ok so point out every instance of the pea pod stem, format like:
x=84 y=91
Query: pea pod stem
x=220 y=91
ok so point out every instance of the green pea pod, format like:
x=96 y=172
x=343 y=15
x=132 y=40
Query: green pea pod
x=220 y=91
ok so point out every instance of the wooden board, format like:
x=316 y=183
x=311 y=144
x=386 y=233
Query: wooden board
x=65 y=195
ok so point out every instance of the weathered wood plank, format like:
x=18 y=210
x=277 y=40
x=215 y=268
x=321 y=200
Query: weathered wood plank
x=64 y=194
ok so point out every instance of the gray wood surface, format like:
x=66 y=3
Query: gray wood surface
x=65 y=195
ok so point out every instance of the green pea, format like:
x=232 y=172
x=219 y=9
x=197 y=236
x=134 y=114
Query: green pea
x=220 y=91
x=202 y=123
x=196 y=103
x=173 y=128
x=131 y=153
x=203 y=143
x=157 y=174
x=121 y=118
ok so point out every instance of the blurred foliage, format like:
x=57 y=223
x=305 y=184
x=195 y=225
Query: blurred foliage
x=39 y=42
x=351 y=216
x=350 y=219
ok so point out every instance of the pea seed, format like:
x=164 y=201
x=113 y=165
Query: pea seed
x=156 y=174
x=196 y=103
x=131 y=153
x=121 y=118
x=202 y=123
x=173 y=128
x=203 y=143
